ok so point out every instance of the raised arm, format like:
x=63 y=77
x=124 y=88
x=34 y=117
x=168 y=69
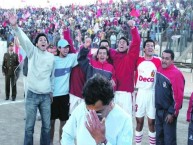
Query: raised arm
x=22 y=37
x=66 y=34
x=134 y=47
x=83 y=60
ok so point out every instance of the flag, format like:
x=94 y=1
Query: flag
x=100 y=1
x=17 y=73
x=110 y=1
x=27 y=15
x=99 y=13
x=135 y=13
x=72 y=7
x=18 y=50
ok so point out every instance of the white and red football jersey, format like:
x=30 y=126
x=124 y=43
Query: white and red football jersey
x=146 y=71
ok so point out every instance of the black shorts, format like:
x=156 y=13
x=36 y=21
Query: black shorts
x=60 y=107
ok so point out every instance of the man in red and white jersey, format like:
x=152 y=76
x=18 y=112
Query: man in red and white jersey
x=145 y=100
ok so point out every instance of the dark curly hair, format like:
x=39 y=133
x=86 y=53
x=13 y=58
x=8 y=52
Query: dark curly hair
x=98 y=88
x=38 y=36
x=148 y=40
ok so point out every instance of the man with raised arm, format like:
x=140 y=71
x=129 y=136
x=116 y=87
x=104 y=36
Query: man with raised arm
x=41 y=64
x=124 y=60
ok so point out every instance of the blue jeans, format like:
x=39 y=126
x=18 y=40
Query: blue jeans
x=33 y=102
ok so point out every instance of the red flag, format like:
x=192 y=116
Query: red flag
x=135 y=13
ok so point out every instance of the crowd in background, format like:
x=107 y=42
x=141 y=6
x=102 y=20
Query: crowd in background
x=105 y=20
x=156 y=20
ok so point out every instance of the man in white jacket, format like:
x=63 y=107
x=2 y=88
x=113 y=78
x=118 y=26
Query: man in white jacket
x=98 y=121
x=41 y=64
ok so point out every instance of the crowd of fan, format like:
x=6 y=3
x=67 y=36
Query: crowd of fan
x=106 y=20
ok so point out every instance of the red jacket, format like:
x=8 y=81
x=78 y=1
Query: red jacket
x=124 y=63
x=77 y=76
x=92 y=66
x=169 y=89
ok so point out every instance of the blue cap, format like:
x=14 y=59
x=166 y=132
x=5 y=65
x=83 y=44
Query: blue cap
x=63 y=43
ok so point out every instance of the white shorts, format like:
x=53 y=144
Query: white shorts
x=145 y=103
x=124 y=100
x=74 y=102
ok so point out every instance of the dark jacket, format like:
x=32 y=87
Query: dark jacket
x=10 y=63
x=169 y=90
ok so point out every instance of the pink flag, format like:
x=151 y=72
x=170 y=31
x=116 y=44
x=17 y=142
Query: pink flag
x=110 y=1
x=27 y=15
x=4 y=24
x=135 y=13
x=72 y=6
x=100 y=1
x=99 y=13
x=17 y=52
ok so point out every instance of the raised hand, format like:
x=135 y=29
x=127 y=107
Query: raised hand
x=131 y=24
x=87 y=43
x=12 y=19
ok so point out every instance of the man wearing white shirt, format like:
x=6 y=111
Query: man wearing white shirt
x=41 y=64
x=98 y=120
